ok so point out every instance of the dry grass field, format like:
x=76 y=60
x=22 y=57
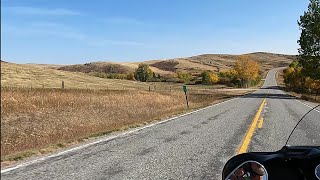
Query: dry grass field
x=34 y=119
x=37 y=76
x=27 y=75
x=38 y=116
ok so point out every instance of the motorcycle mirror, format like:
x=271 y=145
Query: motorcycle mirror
x=252 y=170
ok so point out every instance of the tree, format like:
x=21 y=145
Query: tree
x=185 y=76
x=143 y=73
x=293 y=79
x=228 y=77
x=205 y=77
x=309 y=51
x=209 y=77
x=295 y=64
x=247 y=70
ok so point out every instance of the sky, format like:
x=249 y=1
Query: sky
x=80 y=31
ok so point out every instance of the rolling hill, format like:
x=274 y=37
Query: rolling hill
x=43 y=76
x=75 y=76
x=47 y=76
x=194 y=64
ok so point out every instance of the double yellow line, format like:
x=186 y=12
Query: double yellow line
x=247 y=138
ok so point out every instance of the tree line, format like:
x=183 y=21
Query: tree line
x=244 y=74
x=303 y=75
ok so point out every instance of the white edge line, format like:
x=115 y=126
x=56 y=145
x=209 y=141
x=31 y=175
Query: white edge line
x=109 y=138
x=308 y=106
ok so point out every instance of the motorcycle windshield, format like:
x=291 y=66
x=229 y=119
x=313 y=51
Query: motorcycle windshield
x=307 y=130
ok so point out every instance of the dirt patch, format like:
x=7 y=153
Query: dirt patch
x=169 y=65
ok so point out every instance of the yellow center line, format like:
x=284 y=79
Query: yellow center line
x=260 y=123
x=246 y=141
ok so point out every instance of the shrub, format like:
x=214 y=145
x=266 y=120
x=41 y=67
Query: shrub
x=294 y=79
x=184 y=76
x=209 y=77
x=131 y=76
x=143 y=73
x=117 y=76
x=229 y=77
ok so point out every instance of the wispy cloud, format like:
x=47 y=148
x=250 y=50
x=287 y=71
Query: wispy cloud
x=38 y=29
x=101 y=43
x=123 y=21
x=22 y=10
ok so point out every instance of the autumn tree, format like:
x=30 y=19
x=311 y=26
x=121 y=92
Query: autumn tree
x=209 y=77
x=293 y=78
x=229 y=77
x=143 y=73
x=247 y=70
x=309 y=52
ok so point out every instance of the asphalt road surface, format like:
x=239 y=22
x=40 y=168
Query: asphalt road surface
x=194 y=146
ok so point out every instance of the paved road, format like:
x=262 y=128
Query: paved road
x=195 y=146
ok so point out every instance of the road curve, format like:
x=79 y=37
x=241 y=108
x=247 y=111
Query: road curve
x=194 y=146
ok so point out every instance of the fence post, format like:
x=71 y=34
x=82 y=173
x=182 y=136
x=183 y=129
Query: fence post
x=62 y=84
x=149 y=88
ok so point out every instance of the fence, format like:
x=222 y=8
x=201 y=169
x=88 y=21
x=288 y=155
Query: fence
x=150 y=88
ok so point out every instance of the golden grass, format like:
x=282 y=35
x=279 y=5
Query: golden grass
x=42 y=76
x=45 y=117
x=213 y=62
x=33 y=119
x=18 y=75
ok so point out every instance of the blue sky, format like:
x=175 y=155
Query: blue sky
x=79 y=31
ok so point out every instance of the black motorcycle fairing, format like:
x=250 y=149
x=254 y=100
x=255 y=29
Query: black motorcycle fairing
x=295 y=162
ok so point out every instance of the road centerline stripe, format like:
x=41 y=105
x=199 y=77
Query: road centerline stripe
x=247 y=138
x=260 y=123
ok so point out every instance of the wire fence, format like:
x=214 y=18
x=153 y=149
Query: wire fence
x=148 y=87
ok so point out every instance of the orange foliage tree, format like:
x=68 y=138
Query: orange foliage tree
x=247 y=70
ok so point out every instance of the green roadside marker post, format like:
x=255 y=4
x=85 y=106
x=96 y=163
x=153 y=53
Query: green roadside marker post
x=185 y=93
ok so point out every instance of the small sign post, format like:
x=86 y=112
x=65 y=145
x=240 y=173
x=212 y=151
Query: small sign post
x=185 y=93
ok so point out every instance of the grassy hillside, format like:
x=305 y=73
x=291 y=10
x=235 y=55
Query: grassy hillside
x=105 y=67
x=45 y=76
x=28 y=75
x=194 y=64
